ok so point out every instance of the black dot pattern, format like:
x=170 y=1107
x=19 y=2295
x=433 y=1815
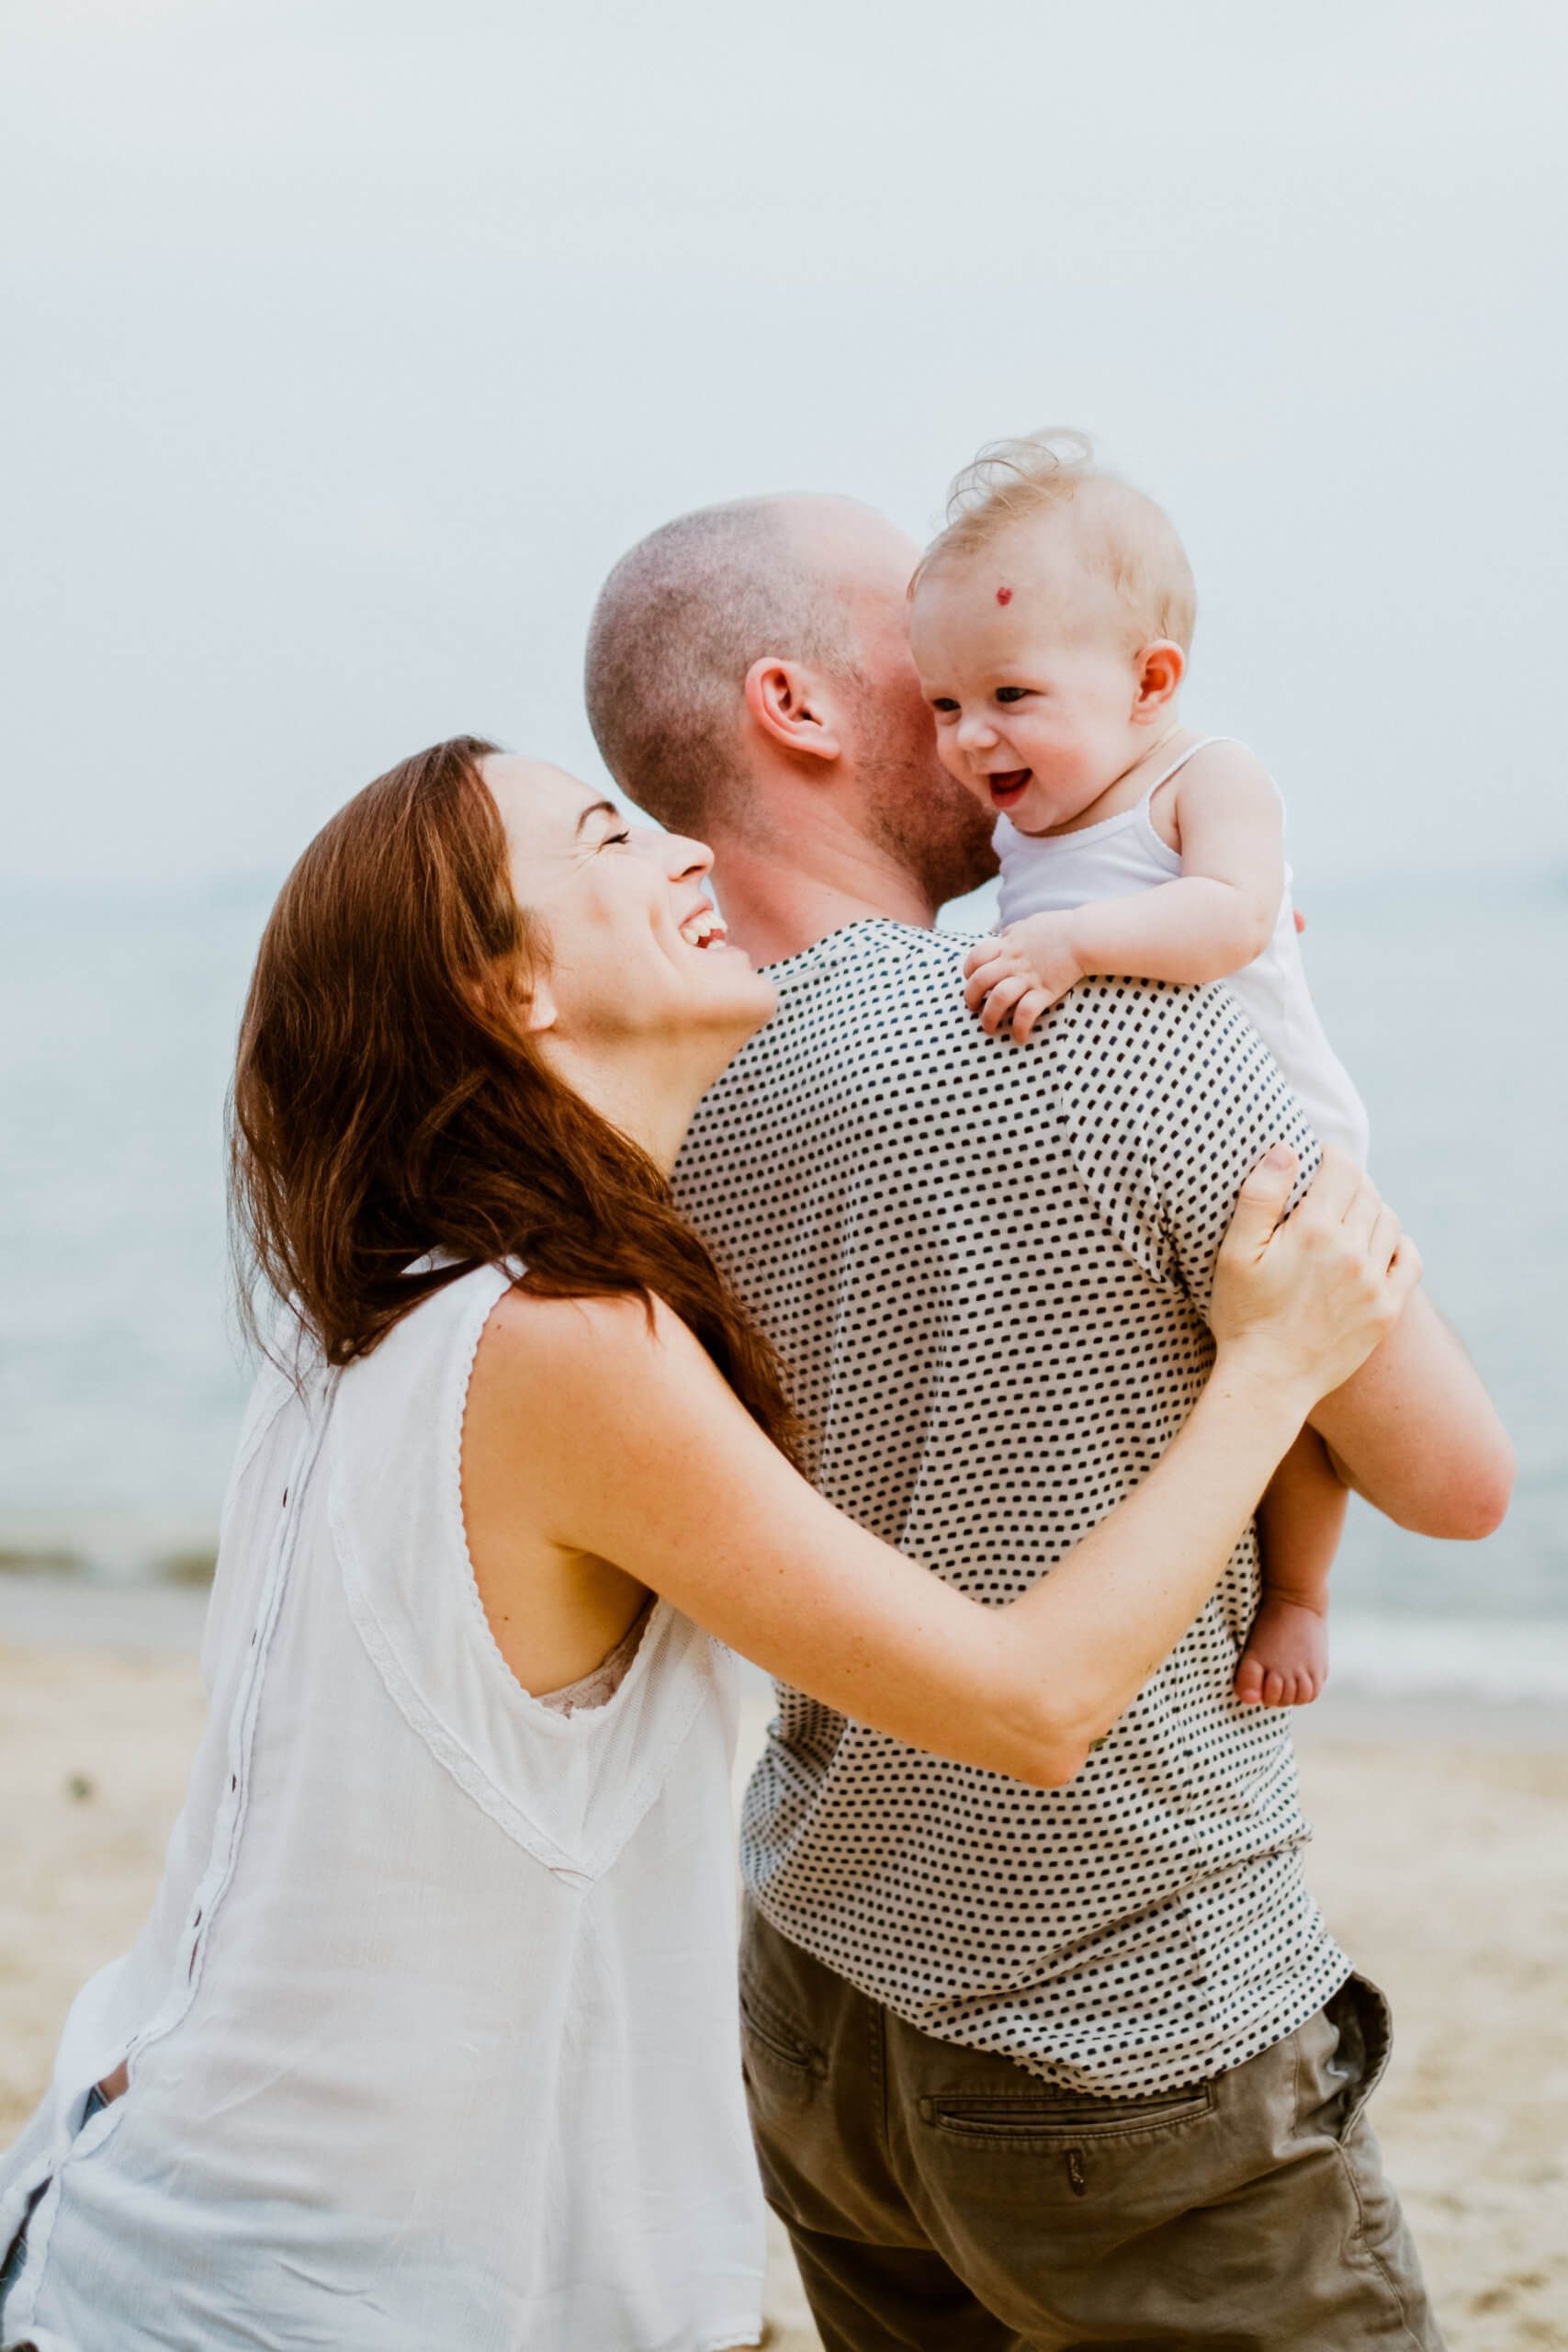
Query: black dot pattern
x=985 y=1267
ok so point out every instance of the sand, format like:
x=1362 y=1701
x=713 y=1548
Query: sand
x=1442 y=1858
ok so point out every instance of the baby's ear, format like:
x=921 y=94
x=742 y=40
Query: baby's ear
x=1160 y=667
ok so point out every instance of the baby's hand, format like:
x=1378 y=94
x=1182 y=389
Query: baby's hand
x=1020 y=972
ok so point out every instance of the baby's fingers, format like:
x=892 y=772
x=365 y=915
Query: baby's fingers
x=999 y=1003
x=986 y=975
x=1027 y=1011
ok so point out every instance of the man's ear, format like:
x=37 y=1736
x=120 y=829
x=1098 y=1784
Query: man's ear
x=788 y=706
x=1159 y=668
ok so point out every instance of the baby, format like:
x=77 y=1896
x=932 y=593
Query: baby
x=1051 y=623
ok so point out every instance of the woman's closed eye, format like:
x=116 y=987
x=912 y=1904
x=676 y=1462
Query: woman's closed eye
x=612 y=841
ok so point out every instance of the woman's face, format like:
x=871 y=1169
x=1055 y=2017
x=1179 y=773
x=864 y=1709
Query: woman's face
x=636 y=949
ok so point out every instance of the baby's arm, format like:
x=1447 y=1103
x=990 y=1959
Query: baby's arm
x=1211 y=922
x=1300 y=1521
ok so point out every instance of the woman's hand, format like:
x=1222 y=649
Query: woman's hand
x=1307 y=1300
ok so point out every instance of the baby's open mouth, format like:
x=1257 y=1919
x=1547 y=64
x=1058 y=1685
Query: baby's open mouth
x=1008 y=785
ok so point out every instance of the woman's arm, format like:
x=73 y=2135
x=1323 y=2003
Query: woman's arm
x=612 y=1441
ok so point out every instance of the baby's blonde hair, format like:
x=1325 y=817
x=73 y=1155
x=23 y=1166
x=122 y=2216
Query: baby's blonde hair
x=1122 y=536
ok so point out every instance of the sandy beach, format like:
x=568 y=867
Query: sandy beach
x=1442 y=1858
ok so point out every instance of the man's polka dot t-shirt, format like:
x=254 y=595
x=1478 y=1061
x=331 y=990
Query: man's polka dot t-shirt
x=984 y=1267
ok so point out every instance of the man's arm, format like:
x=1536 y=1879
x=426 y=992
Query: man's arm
x=1415 y=1433
x=1196 y=1098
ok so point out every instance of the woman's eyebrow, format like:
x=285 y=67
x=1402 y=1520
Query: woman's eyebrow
x=597 y=808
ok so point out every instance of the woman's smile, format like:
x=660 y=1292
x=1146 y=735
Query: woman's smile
x=704 y=927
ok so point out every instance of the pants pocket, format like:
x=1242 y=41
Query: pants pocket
x=1055 y=2121
x=1344 y=2055
x=779 y=2060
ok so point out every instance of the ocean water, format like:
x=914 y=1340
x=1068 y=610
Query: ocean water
x=121 y=1380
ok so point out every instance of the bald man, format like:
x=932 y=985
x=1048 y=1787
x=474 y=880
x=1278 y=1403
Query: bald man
x=1027 y=2067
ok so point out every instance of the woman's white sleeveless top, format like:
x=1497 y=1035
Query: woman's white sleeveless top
x=1124 y=854
x=432 y=2033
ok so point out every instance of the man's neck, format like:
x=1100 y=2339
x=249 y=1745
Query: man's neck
x=775 y=905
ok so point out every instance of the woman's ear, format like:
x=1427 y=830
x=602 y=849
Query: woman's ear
x=788 y=704
x=1160 y=668
x=538 y=1005
x=516 y=992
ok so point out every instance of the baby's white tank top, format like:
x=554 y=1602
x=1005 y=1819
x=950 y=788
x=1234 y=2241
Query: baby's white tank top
x=1124 y=854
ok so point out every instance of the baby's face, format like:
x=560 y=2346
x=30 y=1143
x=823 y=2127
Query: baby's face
x=1023 y=657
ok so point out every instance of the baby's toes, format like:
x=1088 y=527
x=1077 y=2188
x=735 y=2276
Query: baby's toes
x=1273 y=1687
x=1248 y=1685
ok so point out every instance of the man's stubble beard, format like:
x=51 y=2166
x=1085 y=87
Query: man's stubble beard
x=922 y=817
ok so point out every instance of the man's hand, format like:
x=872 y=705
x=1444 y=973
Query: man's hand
x=1014 y=977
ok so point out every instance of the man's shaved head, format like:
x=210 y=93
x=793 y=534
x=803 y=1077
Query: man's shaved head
x=818 y=586
x=683 y=616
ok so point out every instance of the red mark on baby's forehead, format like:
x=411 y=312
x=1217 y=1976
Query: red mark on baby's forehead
x=1004 y=595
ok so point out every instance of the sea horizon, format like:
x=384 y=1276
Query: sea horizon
x=122 y=1378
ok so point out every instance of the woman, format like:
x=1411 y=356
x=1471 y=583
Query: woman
x=430 y=2039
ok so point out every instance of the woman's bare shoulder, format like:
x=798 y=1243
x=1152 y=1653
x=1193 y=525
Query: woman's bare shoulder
x=547 y=1352
x=574 y=1402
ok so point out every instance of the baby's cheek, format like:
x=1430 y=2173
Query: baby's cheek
x=954 y=760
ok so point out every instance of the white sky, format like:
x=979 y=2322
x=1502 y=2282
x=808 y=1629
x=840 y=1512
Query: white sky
x=351 y=340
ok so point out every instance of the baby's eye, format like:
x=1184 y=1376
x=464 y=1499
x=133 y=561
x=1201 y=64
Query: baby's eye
x=1013 y=694
x=943 y=702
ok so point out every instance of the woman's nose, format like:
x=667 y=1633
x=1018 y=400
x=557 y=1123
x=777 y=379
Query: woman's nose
x=687 y=860
x=678 y=859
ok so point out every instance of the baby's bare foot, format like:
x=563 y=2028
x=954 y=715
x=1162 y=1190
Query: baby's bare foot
x=1285 y=1663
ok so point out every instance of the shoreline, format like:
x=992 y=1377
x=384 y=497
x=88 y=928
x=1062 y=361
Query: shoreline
x=1410 y=1701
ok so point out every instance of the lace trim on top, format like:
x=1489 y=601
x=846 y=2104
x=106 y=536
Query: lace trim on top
x=596 y=1689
